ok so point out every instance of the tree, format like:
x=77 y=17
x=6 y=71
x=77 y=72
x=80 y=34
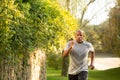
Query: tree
x=28 y=30
x=110 y=31
x=75 y=6
x=114 y=29
x=79 y=9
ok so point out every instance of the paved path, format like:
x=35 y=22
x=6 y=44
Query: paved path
x=106 y=63
x=103 y=62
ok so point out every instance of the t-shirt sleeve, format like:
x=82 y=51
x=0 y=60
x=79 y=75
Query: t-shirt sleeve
x=67 y=46
x=91 y=48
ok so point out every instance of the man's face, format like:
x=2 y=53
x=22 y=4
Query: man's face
x=79 y=36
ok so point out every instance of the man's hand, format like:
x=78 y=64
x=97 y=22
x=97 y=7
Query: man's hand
x=72 y=44
x=91 y=67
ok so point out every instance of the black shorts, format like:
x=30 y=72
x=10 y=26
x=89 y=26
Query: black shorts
x=81 y=76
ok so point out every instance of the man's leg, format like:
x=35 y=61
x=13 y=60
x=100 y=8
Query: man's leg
x=83 y=75
x=73 y=77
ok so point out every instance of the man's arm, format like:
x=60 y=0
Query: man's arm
x=66 y=52
x=92 y=56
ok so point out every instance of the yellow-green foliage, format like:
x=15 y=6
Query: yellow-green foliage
x=26 y=25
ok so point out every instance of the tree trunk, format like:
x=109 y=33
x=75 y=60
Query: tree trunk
x=38 y=65
x=65 y=63
x=31 y=67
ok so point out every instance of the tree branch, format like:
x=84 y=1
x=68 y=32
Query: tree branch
x=84 y=10
x=95 y=14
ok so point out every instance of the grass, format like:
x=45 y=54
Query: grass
x=53 y=74
x=111 y=74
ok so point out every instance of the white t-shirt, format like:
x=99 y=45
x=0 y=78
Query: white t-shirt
x=79 y=57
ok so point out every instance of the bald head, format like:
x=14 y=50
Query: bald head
x=81 y=31
x=79 y=36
